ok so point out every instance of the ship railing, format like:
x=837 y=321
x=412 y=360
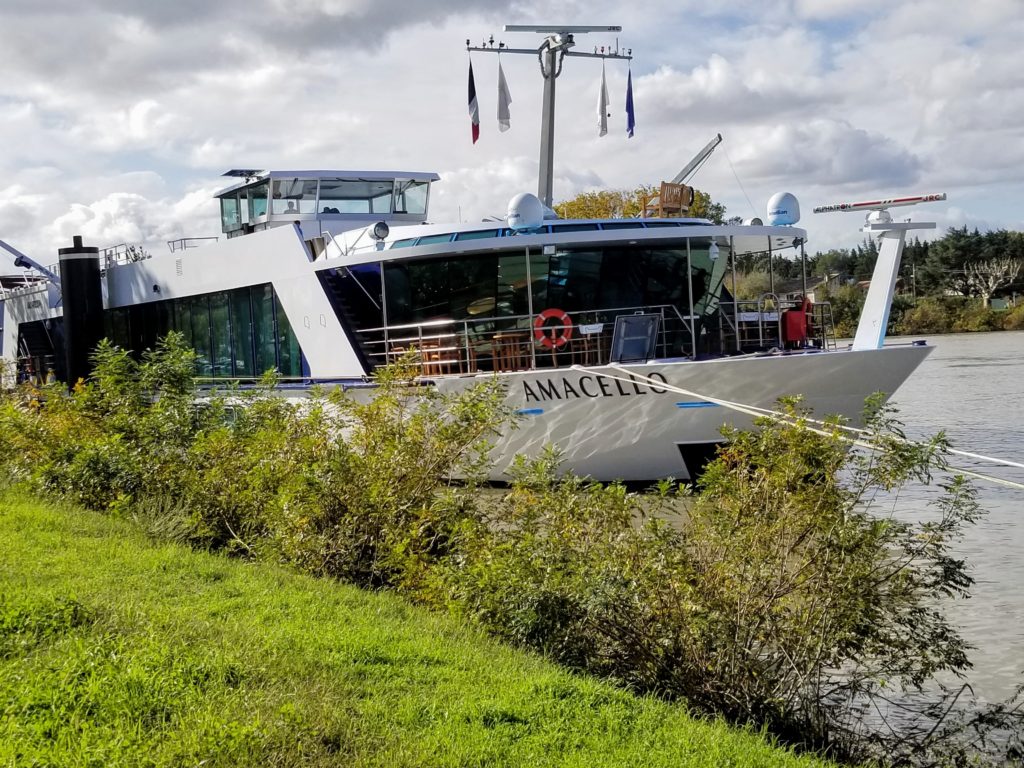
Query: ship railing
x=760 y=324
x=512 y=342
x=124 y=253
x=184 y=243
x=29 y=287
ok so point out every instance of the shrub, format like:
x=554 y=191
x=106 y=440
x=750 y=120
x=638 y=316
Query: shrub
x=927 y=316
x=388 y=484
x=776 y=597
x=977 y=317
x=1014 y=319
x=364 y=489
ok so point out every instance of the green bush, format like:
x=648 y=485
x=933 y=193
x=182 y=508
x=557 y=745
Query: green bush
x=773 y=594
x=975 y=316
x=390 y=481
x=1014 y=319
x=366 y=490
x=927 y=316
x=776 y=596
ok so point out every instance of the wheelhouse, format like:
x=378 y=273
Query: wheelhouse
x=323 y=202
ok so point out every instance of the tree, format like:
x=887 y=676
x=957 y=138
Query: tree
x=987 y=277
x=624 y=204
x=943 y=272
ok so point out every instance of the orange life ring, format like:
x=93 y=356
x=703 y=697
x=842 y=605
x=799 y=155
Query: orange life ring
x=552 y=341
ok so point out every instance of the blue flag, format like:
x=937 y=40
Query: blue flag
x=630 y=114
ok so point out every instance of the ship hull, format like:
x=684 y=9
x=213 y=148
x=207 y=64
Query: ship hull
x=632 y=423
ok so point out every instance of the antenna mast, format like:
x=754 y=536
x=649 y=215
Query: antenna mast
x=556 y=46
x=874 y=317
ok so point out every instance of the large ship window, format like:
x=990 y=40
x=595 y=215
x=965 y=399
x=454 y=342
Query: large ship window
x=230 y=219
x=411 y=196
x=258 y=200
x=294 y=196
x=592 y=281
x=236 y=334
x=339 y=196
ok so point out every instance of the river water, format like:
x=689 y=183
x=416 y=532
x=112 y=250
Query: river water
x=972 y=386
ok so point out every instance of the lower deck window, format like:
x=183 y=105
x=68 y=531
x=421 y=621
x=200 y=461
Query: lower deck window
x=236 y=334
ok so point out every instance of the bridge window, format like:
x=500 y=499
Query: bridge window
x=338 y=196
x=230 y=217
x=258 y=200
x=411 y=196
x=294 y=196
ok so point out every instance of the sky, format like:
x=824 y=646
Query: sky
x=118 y=118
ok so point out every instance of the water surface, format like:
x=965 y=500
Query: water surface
x=972 y=386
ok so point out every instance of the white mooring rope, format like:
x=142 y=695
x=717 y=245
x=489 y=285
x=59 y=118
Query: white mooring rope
x=753 y=410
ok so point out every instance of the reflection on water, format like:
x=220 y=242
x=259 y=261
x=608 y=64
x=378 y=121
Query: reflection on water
x=972 y=386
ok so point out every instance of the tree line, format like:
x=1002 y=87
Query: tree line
x=963 y=262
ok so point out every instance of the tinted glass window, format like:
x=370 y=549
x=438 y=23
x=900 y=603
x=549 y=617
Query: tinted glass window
x=230 y=218
x=258 y=199
x=573 y=227
x=220 y=329
x=411 y=196
x=478 y=235
x=241 y=327
x=289 y=359
x=264 y=337
x=622 y=225
x=294 y=196
x=432 y=239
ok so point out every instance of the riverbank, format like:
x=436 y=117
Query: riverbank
x=118 y=651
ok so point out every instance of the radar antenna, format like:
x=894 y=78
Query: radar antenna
x=891 y=235
x=878 y=210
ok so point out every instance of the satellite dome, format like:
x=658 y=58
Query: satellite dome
x=783 y=209
x=525 y=212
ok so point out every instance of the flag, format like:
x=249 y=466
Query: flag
x=504 y=99
x=474 y=108
x=630 y=114
x=602 y=105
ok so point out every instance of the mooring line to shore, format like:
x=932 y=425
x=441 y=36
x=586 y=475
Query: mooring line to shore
x=753 y=410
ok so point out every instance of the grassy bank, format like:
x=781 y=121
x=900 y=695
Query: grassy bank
x=116 y=651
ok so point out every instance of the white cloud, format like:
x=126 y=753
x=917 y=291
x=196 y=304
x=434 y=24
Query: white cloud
x=118 y=117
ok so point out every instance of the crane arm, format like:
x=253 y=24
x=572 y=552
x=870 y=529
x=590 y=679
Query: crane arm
x=699 y=158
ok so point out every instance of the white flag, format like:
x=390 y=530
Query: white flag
x=504 y=99
x=602 y=105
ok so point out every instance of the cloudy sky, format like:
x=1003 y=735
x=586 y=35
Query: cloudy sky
x=117 y=118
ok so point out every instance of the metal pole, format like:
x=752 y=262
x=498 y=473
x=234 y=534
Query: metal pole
x=689 y=284
x=735 y=299
x=384 y=314
x=803 y=267
x=545 y=179
x=771 y=269
x=529 y=308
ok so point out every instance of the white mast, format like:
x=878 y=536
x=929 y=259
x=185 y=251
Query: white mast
x=875 y=316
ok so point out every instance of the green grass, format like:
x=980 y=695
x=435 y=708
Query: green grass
x=115 y=651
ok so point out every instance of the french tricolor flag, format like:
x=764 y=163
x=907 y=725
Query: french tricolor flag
x=474 y=108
